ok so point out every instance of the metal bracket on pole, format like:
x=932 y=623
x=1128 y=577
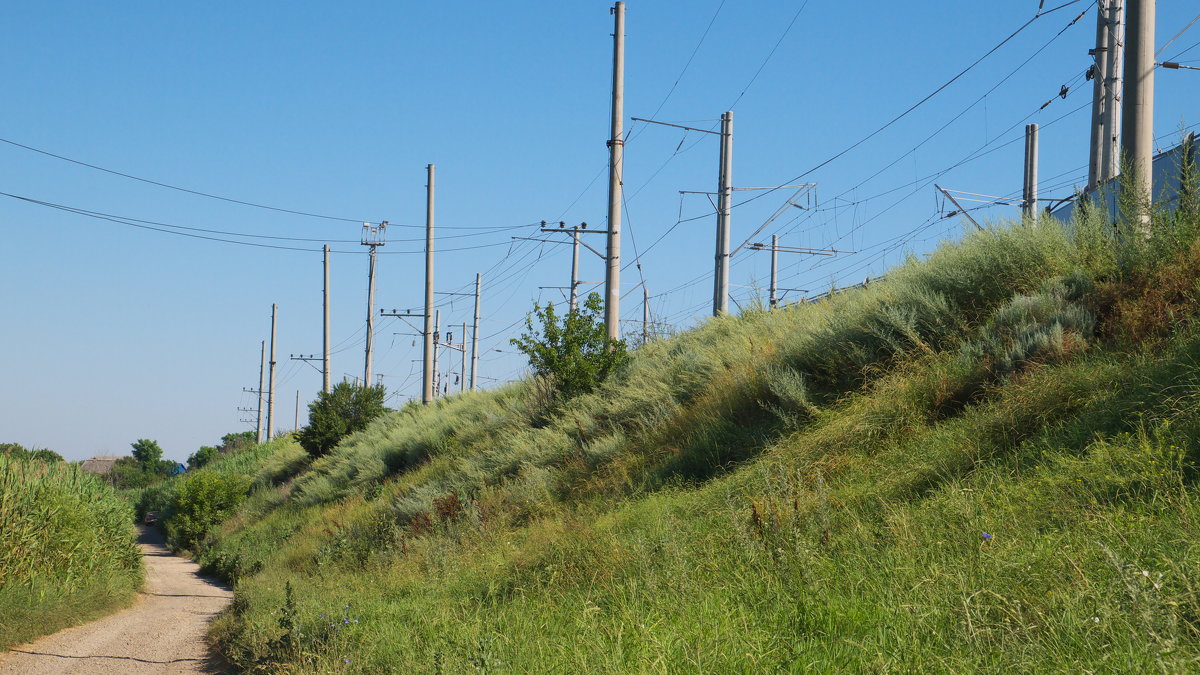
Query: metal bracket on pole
x=959 y=206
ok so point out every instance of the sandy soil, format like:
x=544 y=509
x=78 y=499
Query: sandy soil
x=163 y=632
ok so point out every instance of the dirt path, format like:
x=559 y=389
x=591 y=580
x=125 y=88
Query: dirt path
x=163 y=632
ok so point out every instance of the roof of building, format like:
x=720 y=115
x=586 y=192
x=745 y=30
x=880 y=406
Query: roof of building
x=100 y=465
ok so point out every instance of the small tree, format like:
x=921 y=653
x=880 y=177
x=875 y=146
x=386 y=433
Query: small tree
x=236 y=441
x=147 y=452
x=339 y=413
x=576 y=352
x=204 y=455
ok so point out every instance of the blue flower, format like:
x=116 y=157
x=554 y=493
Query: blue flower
x=987 y=536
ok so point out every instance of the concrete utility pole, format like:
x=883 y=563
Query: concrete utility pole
x=325 y=351
x=645 y=315
x=1111 y=152
x=616 y=143
x=271 y=391
x=296 y=424
x=475 y=335
x=371 y=236
x=724 y=201
x=462 y=372
x=1029 y=203
x=437 y=341
x=1099 y=72
x=1137 y=124
x=574 y=268
x=262 y=363
x=774 y=301
x=429 y=356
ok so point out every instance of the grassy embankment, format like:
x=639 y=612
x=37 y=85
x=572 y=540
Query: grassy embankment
x=986 y=461
x=68 y=549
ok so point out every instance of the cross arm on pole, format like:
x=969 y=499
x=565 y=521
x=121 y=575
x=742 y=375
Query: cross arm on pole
x=554 y=241
x=677 y=126
x=960 y=207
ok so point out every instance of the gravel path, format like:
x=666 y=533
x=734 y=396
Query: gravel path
x=163 y=632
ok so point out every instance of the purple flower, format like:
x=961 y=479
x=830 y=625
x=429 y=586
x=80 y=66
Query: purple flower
x=347 y=660
x=987 y=536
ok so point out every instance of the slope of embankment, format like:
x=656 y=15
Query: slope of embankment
x=985 y=461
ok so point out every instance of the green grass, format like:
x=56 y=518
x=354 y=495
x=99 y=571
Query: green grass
x=985 y=462
x=68 y=549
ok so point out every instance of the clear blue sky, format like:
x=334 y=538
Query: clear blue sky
x=114 y=333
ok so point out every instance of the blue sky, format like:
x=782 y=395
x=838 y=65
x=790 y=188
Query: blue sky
x=115 y=333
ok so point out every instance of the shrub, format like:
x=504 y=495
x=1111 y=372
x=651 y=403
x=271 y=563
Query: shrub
x=200 y=502
x=339 y=413
x=576 y=354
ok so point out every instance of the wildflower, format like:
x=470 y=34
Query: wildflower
x=987 y=536
x=1095 y=619
x=347 y=660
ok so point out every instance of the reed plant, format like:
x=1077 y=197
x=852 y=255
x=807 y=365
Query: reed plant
x=68 y=548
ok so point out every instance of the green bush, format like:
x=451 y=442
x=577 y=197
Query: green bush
x=200 y=502
x=576 y=355
x=339 y=413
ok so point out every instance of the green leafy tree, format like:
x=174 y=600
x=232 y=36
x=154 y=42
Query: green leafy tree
x=237 y=441
x=127 y=472
x=45 y=455
x=204 y=455
x=341 y=412
x=147 y=452
x=21 y=452
x=200 y=502
x=574 y=352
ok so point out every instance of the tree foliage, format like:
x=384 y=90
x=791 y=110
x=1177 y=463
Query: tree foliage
x=339 y=413
x=147 y=452
x=236 y=441
x=200 y=502
x=574 y=352
x=204 y=455
x=18 y=451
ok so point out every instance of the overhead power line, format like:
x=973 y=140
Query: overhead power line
x=209 y=195
x=176 y=187
x=918 y=104
x=167 y=229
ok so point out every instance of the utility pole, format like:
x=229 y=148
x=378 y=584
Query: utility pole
x=262 y=362
x=430 y=356
x=1030 y=198
x=1111 y=152
x=296 y=425
x=372 y=236
x=437 y=340
x=271 y=391
x=475 y=335
x=774 y=301
x=325 y=360
x=574 y=268
x=645 y=315
x=462 y=373
x=1137 y=123
x=1099 y=73
x=775 y=248
x=724 y=200
x=616 y=143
